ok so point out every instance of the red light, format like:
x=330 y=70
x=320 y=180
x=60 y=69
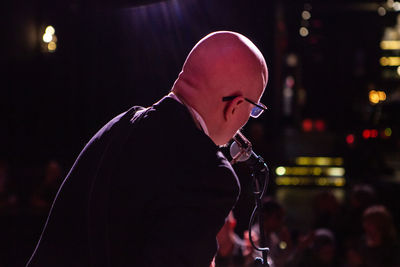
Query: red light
x=307 y=125
x=366 y=134
x=374 y=133
x=320 y=125
x=350 y=139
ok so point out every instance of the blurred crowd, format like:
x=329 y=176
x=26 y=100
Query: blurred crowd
x=359 y=232
x=26 y=195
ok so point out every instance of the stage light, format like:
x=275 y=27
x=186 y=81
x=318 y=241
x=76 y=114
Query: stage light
x=280 y=171
x=322 y=181
x=304 y=32
x=307 y=125
x=390 y=3
x=350 y=139
x=283 y=181
x=317 y=171
x=301 y=181
x=50 y=30
x=383 y=61
x=398 y=70
x=335 y=171
x=339 y=182
x=337 y=161
x=282 y=245
x=319 y=161
x=390 y=45
x=297 y=171
x=381 y=11
x=382 y=95
x=388 y=132
x=52 y=46
x=390 y=61
x=296 y=181
x=322 y=161
x=374 y=133
x=320 y=125
x=366 y=134
x=396 y=6
x=292 y=60
x=303 y=160
x=47 y=37
x=306 y=15
x=373 y=97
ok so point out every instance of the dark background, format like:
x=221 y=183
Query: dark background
x=111 y=56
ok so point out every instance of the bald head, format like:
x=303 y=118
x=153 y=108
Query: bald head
x=222 y=64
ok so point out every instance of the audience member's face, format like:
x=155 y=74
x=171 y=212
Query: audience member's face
x=372 y=234
x=274 y=222
x=326 y=253
x=53 y=172
x=353 y=258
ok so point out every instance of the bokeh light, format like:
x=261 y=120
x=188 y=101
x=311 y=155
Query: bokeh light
x=47 y=37
x=304 y=32
x=306 y=15
x=381 y=11
x=52 y=46
x=280 y=171
x=350 y=139
x=50 y=30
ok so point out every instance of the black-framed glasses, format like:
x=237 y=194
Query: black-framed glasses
x=257 y=110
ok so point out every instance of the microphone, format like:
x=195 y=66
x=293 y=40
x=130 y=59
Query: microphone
x=241 y=149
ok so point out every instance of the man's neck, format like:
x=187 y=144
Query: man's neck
x=199 y=121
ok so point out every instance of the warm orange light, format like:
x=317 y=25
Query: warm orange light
x=306 y=15
x=47 y=37
x=376 y=96
x=382 y=95
x=50 y=30
x=390 y=61
x=390 y=45
x=304 y=31
x=373 y=97
x=52 y=46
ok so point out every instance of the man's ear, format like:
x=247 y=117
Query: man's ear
x=232 y=107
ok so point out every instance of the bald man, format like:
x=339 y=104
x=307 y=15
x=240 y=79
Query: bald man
x=151 y=188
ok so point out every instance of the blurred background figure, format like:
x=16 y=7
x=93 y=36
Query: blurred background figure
x=380 y=247
x=277 y=235
x=326 y=211
x=8 y=199
x=44 y=194
x=361 y=197
x=353 y=255
x=229 y=245
x=318 y=249
x=8 y=214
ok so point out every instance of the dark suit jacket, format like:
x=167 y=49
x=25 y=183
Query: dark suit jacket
x=149 y=189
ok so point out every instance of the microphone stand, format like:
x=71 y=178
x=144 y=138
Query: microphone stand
x=241 y=150
x=260 y=174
